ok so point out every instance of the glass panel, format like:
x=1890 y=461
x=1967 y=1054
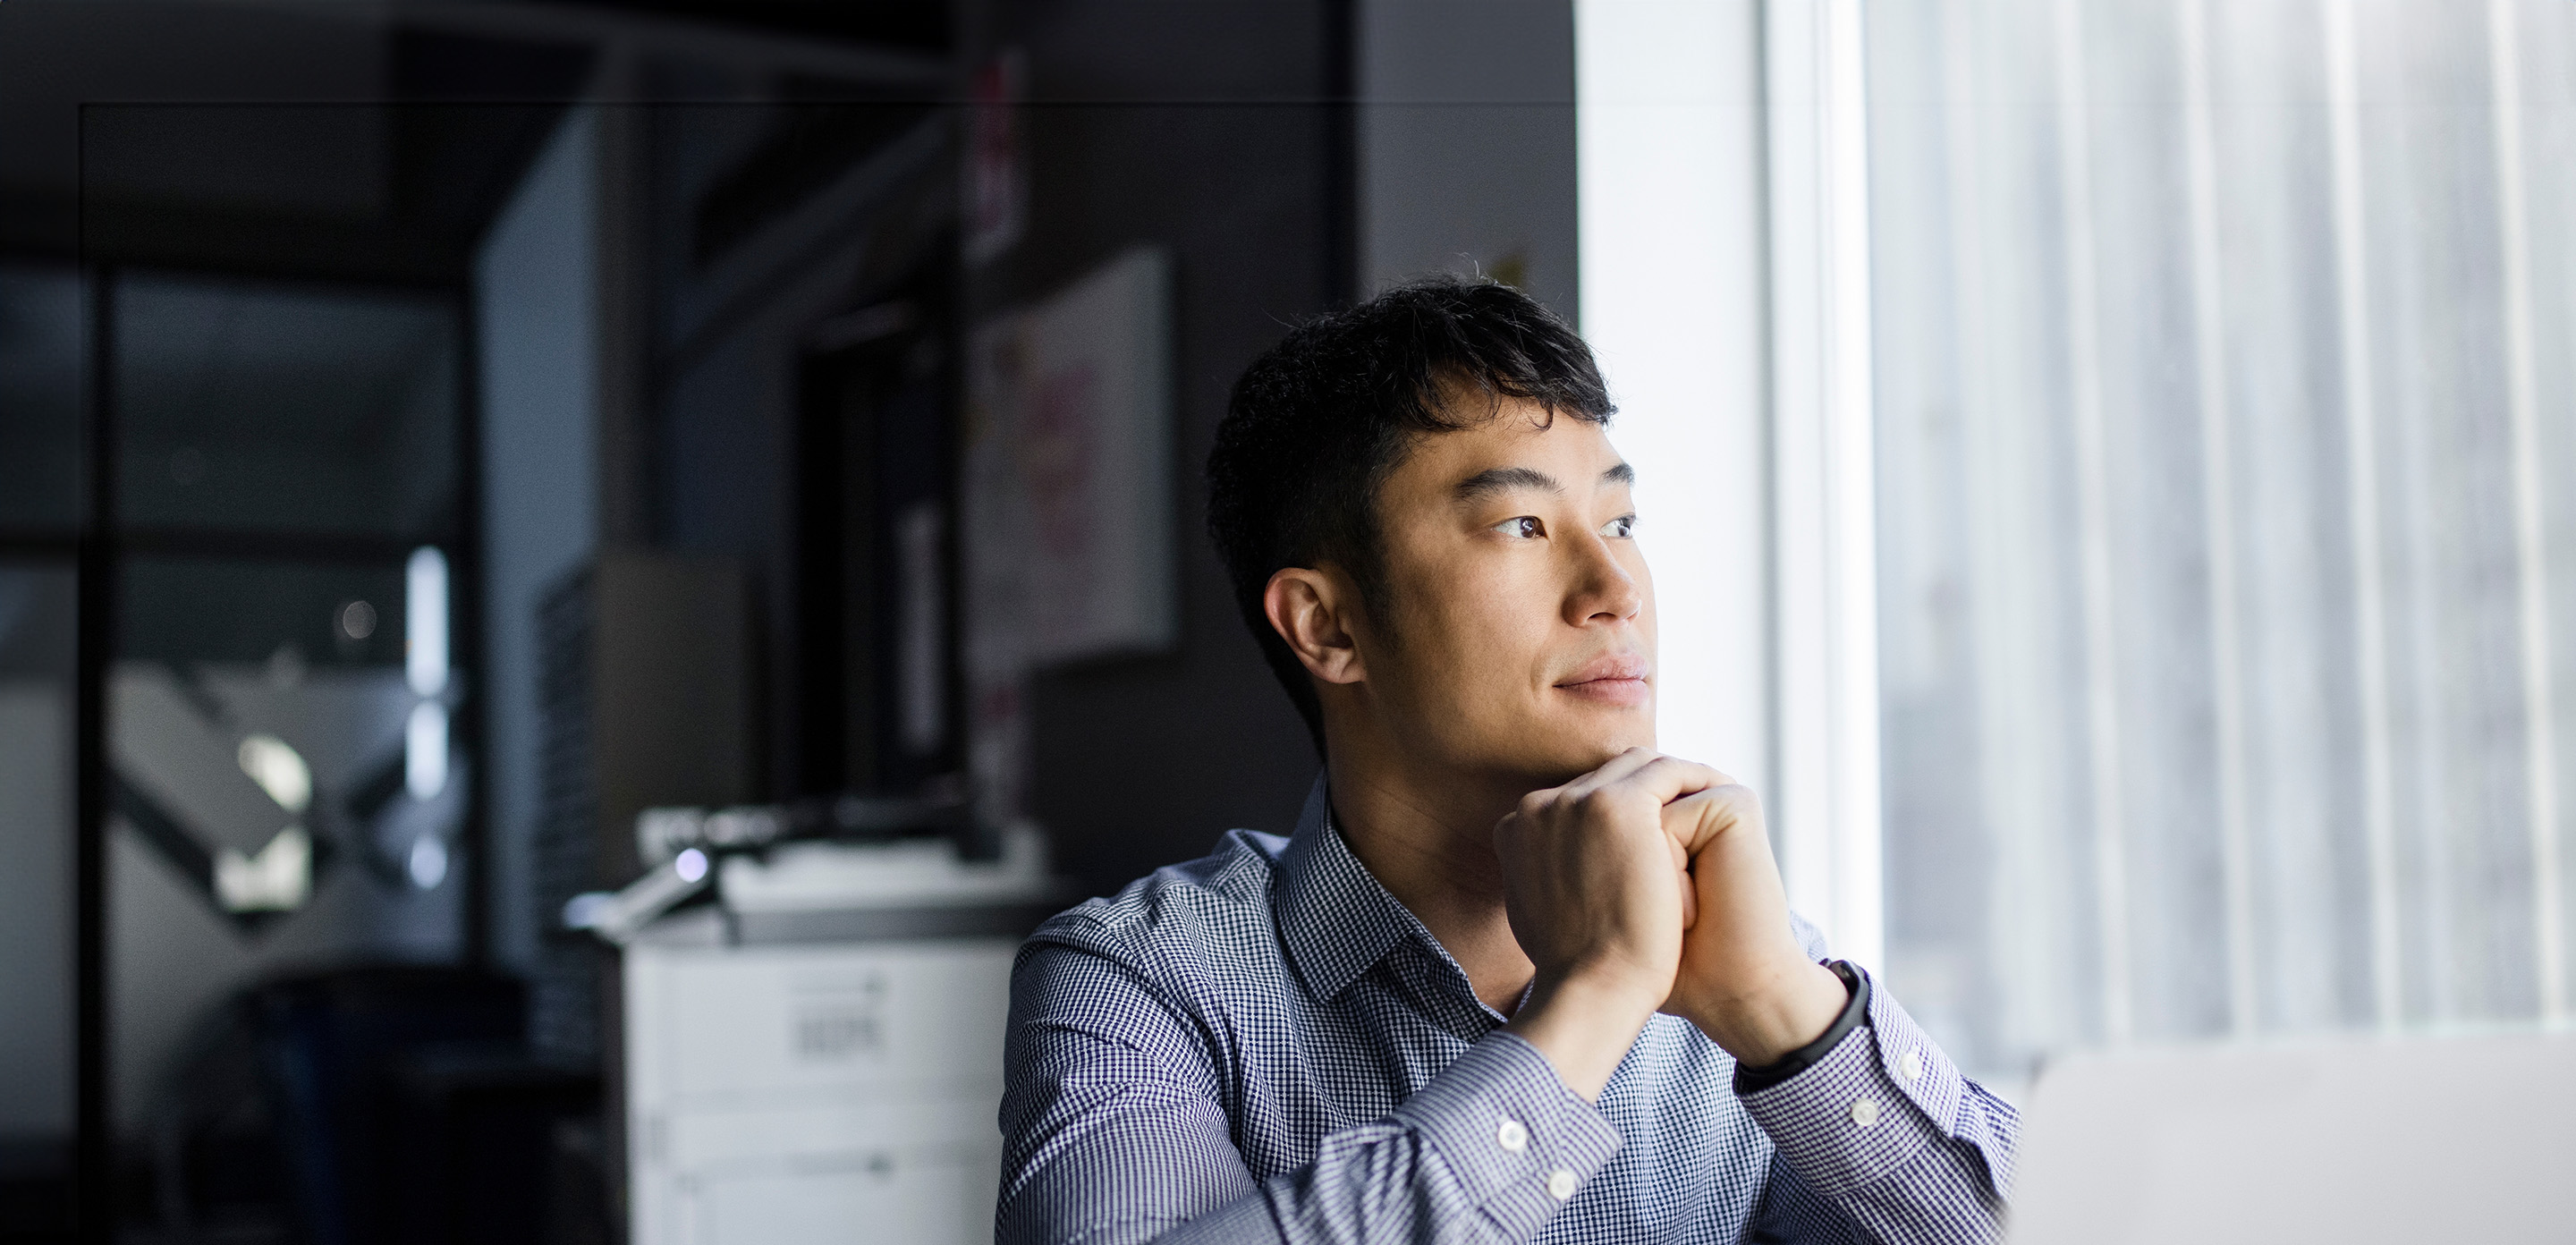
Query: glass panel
x=285 y=408
x=40 y=395
x=292 y=615
x=283 y=793
x=37 y=606
x=285 y=798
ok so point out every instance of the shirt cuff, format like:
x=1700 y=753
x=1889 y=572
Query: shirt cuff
x=1871 y=1105
x=1518 y=1141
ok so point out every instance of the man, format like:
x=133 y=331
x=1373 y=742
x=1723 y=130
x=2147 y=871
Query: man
x=1516 y=976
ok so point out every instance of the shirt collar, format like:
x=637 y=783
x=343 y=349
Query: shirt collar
x=1336 y=920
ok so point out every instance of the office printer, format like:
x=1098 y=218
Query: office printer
x=816 y=1053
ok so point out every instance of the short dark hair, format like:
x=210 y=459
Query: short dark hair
x=1319 y=422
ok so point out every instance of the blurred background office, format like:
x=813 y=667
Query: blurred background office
x=2107 y=465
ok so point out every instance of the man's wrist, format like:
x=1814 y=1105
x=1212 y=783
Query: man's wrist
x=1584 y=1025
x=1762 y=1026
x=1855 y=1014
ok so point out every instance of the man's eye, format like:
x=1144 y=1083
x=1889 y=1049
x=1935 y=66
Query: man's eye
x=1620 y=528
x=1526 y=527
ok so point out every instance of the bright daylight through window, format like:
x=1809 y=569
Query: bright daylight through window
x=2222 y=564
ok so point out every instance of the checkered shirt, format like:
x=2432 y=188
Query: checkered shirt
x=1264 y=1045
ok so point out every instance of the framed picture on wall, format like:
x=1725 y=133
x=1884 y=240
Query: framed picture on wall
x=1068 y=489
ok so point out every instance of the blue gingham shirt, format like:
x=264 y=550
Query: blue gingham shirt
x=1264 y=1045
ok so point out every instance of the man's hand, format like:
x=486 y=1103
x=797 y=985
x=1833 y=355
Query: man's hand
x=1743 y=979
x=1594 y=886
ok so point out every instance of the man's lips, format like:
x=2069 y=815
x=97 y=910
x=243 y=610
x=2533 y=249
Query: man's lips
x=1617 y=678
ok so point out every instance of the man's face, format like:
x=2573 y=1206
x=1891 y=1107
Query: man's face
x=1519 y=631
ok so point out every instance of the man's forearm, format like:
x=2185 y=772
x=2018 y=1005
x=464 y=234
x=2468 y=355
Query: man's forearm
x=1584 y=1026
x=1782 y=1016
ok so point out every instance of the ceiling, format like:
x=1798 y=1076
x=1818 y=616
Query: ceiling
x=358 y=140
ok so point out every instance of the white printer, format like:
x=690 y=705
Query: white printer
x=817 y=1056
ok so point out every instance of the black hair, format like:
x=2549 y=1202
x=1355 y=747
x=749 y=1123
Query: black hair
x=1319 y=422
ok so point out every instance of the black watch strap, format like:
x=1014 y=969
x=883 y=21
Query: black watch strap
x=1855 y=1014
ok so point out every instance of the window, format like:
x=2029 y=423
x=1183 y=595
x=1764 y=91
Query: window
x=278 y=701
x=2213 y=364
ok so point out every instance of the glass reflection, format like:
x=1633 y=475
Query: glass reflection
x=284 y=408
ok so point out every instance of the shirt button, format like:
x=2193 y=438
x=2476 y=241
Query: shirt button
x=1560 y=1184
x=1511 y=1136
x=1865 y=1112
x=1910 y=1066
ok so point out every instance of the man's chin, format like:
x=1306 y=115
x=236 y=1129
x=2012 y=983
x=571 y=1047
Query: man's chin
x=1576 y=754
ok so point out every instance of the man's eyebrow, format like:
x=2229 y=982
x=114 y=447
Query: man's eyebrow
x=1495 y=480
x=1620 y=474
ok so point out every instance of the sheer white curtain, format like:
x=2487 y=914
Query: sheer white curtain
x=2224 y=376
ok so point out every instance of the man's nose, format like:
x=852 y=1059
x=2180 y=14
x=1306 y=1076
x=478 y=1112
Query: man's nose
x=1603 y=590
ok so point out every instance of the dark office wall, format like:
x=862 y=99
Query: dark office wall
x=1201 y=128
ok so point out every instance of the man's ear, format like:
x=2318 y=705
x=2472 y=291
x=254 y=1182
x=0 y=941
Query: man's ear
x=1310 y=609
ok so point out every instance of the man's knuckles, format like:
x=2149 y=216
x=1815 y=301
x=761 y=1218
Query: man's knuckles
x=1704 y=815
